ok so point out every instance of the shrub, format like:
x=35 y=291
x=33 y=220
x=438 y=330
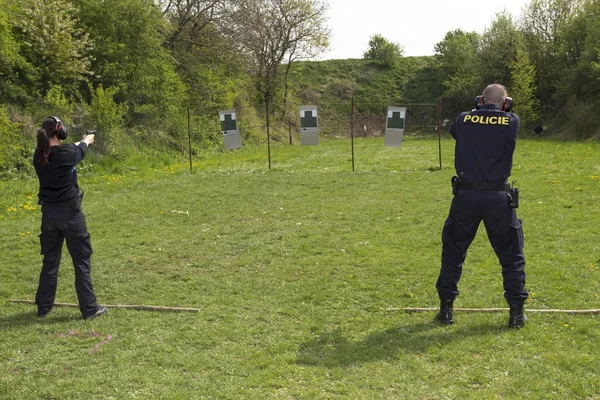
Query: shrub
x=14 y=154
x=107 y=118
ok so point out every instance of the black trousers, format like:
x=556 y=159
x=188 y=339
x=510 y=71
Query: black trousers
x=504 y=230
x=62 y=221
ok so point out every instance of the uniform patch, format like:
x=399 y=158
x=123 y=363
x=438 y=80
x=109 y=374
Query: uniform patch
x=486 y=120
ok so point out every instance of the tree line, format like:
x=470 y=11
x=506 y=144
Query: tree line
x=132 y=68
x=548 y=59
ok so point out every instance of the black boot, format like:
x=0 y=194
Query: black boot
x=516 y=317
x=446 y=314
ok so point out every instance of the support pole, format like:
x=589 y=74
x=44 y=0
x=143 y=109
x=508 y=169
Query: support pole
x=268 y=132
x=439 y=126
x=352 y=133
x=290 y=128
x=190 y=138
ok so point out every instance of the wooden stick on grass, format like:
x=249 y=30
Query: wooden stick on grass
x=132 y=307
x=409 y=309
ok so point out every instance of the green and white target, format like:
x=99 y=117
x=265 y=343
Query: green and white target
x=309 y=126
x=394 y=126
x=229 y=127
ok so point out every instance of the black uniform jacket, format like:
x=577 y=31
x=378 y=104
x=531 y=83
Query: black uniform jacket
x=58 y=180
x=485 y=144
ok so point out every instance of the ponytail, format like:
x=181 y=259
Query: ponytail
x=43 y=144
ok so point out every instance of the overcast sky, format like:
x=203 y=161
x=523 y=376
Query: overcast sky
x=415 y=24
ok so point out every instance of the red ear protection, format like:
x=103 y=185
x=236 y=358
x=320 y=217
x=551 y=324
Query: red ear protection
x=507 y=106
x=61 y=131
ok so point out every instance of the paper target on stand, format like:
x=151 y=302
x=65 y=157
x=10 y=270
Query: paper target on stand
x=394 y=126
x=230 y=130
x=309 y=125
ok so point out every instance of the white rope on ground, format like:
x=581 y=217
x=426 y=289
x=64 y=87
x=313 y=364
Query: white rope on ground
x=409 y=309
x=132 y=307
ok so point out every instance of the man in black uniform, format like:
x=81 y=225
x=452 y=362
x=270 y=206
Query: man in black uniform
x=62 y=217
x=485 y=143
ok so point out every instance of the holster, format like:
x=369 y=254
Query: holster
x=513 y=195
x=454 y=182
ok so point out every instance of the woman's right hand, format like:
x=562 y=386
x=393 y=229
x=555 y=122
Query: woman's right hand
x=89 y=139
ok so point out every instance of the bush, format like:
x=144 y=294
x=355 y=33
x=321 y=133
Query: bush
x=14 y=154
x=582 y=118
x=107 y=117
x=383 y=51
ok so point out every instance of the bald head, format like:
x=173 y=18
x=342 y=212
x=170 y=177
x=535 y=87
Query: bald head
x=494 y=94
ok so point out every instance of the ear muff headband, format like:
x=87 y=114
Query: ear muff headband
x=507 y=106
x=61 y=131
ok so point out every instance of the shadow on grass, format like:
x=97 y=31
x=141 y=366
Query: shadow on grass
x=332 y=349
x=30 y=318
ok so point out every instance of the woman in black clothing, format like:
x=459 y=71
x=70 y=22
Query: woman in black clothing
x=62 y=217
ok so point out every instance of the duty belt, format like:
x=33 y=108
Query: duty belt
x=461 y=185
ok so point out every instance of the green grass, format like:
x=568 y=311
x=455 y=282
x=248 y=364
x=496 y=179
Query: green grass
x=294 y=270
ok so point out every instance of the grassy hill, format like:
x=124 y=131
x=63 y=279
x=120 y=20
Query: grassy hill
x=331 y=85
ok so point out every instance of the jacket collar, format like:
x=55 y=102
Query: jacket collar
x=491 y=107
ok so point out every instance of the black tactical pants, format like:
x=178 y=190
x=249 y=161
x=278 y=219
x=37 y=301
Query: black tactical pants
x=62 y=221
x=504 y=230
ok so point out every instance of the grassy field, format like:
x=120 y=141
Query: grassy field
x=294 y=270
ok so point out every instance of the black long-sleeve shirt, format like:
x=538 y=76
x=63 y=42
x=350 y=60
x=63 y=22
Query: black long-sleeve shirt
x=58 y=180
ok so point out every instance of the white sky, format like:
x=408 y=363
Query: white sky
x=415 y=24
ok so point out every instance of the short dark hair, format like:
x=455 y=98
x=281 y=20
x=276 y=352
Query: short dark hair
x=495 y=94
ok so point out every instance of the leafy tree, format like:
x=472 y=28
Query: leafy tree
x=458 y=56
x=129 y=58
x=271 y=30
x=10 y=59
x=582 y=38
x=383 y=51
x=190 y=19
x=523 y=89
x=544 y=24
x=498 y=49
x=54 y=42
x=206 y=59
